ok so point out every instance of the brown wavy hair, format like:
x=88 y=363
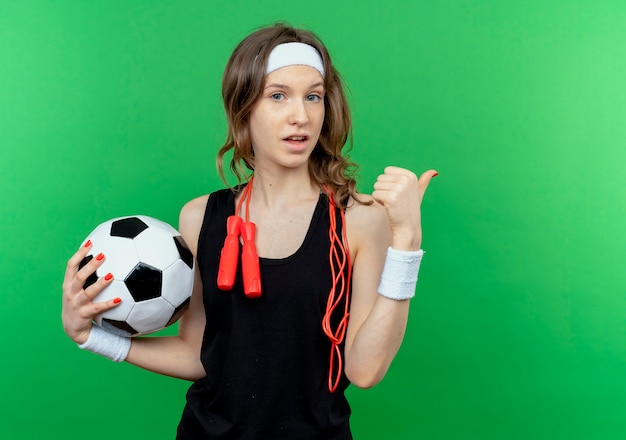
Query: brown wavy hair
x=242 y=85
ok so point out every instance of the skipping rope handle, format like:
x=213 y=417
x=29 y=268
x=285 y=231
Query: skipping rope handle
x=230 y=254
x=250 y=262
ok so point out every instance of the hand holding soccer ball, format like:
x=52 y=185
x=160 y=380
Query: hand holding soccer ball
x=133 y=276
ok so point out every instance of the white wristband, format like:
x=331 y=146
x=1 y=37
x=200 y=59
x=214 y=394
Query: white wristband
x=107 y=344
x=399 y=277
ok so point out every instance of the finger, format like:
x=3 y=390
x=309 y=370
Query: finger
x=386 y=185
x=92 y=291
x=90 y=311
x=86 y=275
x=394 y=181
x=376 y=195
x=425 y=178
x=75 y=260
x=398 y=170
x=80 y=271
x=102 y=306
x=392 y=173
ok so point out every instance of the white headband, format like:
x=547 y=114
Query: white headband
x=294 y=54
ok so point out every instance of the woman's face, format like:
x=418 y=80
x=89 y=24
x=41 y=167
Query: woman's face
x=286 y=121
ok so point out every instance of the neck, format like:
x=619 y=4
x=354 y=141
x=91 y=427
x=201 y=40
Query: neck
x=274 y=192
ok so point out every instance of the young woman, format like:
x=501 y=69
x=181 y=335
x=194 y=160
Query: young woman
x=272 y=348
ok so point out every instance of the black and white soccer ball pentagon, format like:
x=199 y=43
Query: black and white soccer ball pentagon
x=153 y=274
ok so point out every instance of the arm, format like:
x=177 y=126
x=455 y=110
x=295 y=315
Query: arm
x=377 y=324
x=179 y=356
x=176 y=356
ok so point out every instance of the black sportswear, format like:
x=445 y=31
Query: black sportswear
x=267 y=358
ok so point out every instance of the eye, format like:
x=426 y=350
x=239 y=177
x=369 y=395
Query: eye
x=314 y=97
x=277 y=96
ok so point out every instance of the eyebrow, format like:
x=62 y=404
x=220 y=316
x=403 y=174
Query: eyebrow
x=286 y=87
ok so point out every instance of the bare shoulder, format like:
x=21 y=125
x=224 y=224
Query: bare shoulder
x=367 y=224
x=366 y=216
x=190 y=220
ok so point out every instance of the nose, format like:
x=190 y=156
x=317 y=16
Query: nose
x=298 y=113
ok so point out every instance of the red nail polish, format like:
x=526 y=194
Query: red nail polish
x=117 y=300
x=108 y=276
x=100 y=256
x=435 y=175
x=88 y=243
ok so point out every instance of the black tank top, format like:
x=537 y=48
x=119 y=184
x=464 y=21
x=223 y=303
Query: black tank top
x=267 y=358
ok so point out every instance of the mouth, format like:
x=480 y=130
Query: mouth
x=297 y=138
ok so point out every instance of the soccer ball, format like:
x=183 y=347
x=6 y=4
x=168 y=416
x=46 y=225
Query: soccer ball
x=153 y=273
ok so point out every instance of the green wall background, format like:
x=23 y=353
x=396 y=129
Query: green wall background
x=518 y=329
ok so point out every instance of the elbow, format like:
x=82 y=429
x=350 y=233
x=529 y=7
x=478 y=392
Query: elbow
x=192 y=375
x=364 y=377
x=363 y=384
x=197 y=373
x=195 y=378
